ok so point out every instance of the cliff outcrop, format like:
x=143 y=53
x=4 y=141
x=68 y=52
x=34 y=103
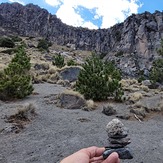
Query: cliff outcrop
x=131 y=44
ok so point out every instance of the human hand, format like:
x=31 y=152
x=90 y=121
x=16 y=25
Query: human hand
x=91 y=155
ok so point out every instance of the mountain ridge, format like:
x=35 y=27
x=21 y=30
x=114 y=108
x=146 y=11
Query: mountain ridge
x=136 y=39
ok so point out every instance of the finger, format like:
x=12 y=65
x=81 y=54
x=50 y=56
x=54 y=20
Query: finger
x=113 y=158
x=96 y=159
x=94 y=151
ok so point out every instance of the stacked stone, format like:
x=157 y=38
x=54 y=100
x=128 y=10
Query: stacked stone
x=118 y=140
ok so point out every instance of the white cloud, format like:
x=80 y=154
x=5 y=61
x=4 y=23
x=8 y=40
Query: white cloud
x=19 y=1
x=53 y=2
x=111 y=12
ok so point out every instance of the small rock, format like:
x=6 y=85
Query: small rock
x=146 y=82
x=124 y=153
x=125 y=116
x=115 y=129
x=109 y=110
x=122 y=141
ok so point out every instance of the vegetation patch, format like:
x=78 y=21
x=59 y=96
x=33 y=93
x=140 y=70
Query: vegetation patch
x=98 y=80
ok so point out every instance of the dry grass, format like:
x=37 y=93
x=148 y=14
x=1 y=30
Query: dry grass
x=90 y=104
x=75 y=93
x=25 y=114
x=135 y=96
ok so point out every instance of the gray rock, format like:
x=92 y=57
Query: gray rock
x=146 y=82
x=109 y=110
x=124 y=153
x=71 y=101
x=116 y=129
x=70 y=73
x=125 y=116
x=123 y=141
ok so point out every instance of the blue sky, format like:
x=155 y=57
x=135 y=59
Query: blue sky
x=94 y=14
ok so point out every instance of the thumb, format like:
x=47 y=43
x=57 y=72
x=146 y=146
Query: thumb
x=113 y=158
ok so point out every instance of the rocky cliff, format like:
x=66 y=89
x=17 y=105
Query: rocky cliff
x=131 y=44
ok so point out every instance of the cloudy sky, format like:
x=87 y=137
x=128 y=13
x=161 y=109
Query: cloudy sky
x=94 y=14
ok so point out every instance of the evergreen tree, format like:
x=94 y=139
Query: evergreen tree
x=156 y=72
x=15 y=81
x=98 y=80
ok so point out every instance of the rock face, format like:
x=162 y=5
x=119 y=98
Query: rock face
x=118 y=140
x=131 y=44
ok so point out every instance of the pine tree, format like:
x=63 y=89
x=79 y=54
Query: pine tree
x=156 y=72
x=98 y=80
x=15 y=81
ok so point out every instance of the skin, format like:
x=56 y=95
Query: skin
x=91 y=155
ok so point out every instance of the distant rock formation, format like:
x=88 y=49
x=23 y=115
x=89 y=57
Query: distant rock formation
x=131 y=44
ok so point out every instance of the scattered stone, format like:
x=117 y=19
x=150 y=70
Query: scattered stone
x=12 y=128
x=146 y=82
x=42 y=66
x=117 y=137
x=125 y=116
x=109 y=110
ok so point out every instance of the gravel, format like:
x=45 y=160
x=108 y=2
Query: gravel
x=56 y=133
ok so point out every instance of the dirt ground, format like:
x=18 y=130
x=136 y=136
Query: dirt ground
x=55 y=133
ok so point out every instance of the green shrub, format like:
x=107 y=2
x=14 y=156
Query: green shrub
x=16 y=39
x=15 y=79
x=156 y=73
x=58 y=61
x=6 y=42
x=71 y=62
x=22 y=58
x=160 y=51
x=141 y=78
x=43 y=44
x=98 y=80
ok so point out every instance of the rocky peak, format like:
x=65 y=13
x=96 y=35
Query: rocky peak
x=134 y=41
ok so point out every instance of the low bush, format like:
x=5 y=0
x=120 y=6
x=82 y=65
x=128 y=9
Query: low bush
x=58 y=61
x=43 y=44
x=156 y=73
x=6 y=42
x=71 y=62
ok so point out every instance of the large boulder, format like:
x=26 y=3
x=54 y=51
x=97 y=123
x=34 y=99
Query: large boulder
x=70 y=73
x=71 y=100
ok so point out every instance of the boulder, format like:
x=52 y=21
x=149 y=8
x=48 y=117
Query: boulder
x=109 y=110
x=70 y=73
x=71 y=100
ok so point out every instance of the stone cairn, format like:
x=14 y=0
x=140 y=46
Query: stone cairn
x=118 y=140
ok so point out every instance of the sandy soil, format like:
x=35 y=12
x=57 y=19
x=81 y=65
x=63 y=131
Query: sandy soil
x=56 y=133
